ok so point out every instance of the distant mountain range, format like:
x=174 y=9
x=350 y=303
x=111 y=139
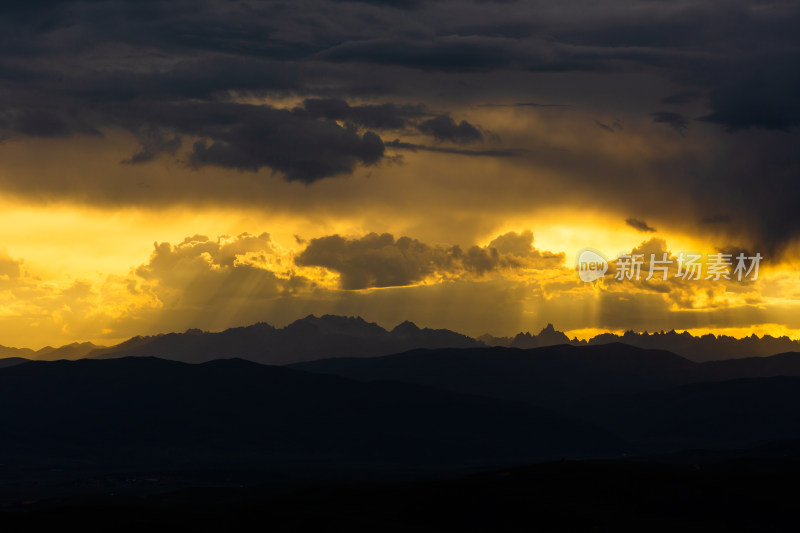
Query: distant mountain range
x=704 y=348
x=312 y=338
x=307 y=339
x=76 y=350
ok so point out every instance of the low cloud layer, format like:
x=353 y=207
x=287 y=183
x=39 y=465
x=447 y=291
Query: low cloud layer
x=500 y=288
x=381 y=261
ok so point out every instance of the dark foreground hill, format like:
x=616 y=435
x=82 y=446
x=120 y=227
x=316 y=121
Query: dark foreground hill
x=743 y=495
x=137 y=411
x=12 y=361
x=306 y=339
x=721 y=415
x=653 y=400
x=101 y=437
x=553 y=375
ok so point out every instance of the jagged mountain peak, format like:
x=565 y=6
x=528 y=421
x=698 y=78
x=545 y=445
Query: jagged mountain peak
x=406 y=327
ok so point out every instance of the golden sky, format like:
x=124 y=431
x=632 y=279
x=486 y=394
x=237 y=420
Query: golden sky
x=445 y=169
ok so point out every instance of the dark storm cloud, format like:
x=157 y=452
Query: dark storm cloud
x=38 y=123
x=399 y=4
x=639 y=225
x=764 y=95
x=455 y=53
x=192 y=78
x=389 y=116
x=154 y=142
x=483 y=53
x=383 y=116
x=604 y=126
x=444 y=128
x=674 y=120
x=177 y=67
x=684 y=97
x=248 y=137
x=399 y=145
x=756 y=182
x=529 y=104
x=43 y=121
x=716 y=219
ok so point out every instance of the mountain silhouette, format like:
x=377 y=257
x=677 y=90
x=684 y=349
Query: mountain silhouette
x=306 y=339
x=76 y=350
x=138 y=411
x=313 y=338
x=704 y=348
x=7 y=352
x=548 y=336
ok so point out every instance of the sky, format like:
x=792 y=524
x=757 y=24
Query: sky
x=174 y=164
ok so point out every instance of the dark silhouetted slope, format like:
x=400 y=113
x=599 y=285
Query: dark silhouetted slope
x=566 y=496
x=726 y=414
x=152 y=411
x=12 y=361
x=539 y=376
x=552 y=375
x=785 y=364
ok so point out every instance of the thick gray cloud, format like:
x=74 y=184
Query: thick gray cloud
x=761 y=94
x=302 y=148
x=250 y=137
x=384 y=116
x=154 y=142
x=185 y=76
x=389 y=116
x=674 y=120
x=491 y=152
